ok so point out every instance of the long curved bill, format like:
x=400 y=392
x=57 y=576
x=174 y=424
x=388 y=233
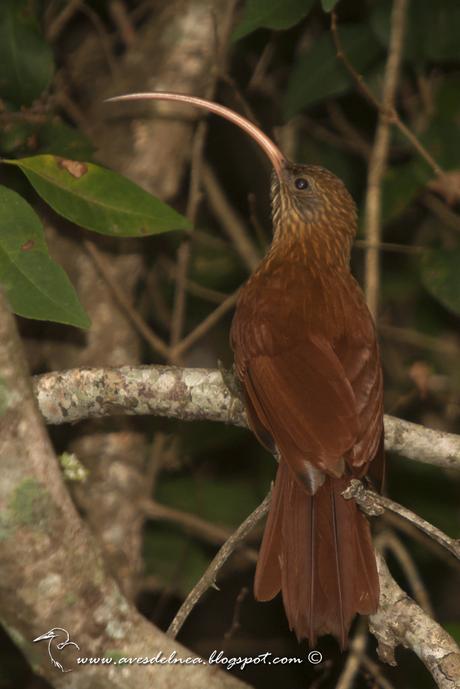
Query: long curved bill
x=266 y=144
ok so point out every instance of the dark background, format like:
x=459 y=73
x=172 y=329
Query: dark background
x=286 y=76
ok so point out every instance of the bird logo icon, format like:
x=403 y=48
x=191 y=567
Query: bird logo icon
x=58 y=639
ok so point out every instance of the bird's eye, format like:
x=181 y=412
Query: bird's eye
x=301 y=183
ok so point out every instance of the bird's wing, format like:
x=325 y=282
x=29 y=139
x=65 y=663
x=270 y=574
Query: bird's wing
x=301 y=398
x=361 y=362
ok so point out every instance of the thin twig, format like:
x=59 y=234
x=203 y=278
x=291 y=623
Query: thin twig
x=59 y=23
x=408 y=529
x=236 y=614
x=313 y=128
x=104 y=38
x=350 y=133
x=374 y=504
x=387 y=540
x=259 y=72
x=157 y=344
x=230 y=220
x=390 y=113
x=205 y=325
x=209 y=577
x=412 y=337
x=355 y=657
x=410 y=136
x=197 y=290
x=376 y=672
x=379 y=155
x=211 y=533
x=71 y=109
x=244 y=104
x=120 y=16
x=442 y=211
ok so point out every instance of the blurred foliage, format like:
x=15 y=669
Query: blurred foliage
x=440 y=275
x=283 y=64
x=318 y=75
x=82 y=192
x=432 y=29
x=25 y=56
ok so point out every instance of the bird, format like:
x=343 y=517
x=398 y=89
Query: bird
x=50 y=636
x=307 y=359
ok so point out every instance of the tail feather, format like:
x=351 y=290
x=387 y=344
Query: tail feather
x=267 y=581
x=318 y=551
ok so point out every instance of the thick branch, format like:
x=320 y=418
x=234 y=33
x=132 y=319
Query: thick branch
x=194 y=394
x=399 y=620
x=52 y=572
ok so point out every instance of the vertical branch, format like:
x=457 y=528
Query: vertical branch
x=378 y=159
x=184 y=253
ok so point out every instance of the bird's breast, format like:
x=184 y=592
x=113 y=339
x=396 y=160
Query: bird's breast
x=285 y=302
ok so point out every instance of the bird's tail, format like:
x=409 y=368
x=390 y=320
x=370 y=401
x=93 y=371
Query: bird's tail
x=317 y=550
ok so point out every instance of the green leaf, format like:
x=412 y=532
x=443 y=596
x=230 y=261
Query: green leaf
x=25 y=57
x=271 y=14
x=439 y=270
x=97 y=198
x=36 y=286
x=328 y=5
x=319 y=74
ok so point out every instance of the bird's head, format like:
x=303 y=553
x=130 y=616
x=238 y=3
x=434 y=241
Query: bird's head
x=311 y=196
x=301 y=194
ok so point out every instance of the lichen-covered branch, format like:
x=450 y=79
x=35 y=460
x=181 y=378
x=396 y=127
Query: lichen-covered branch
x=400 y=621
x=197 y=394
x=422 y=444
x=190 y=394
x=53 y=574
